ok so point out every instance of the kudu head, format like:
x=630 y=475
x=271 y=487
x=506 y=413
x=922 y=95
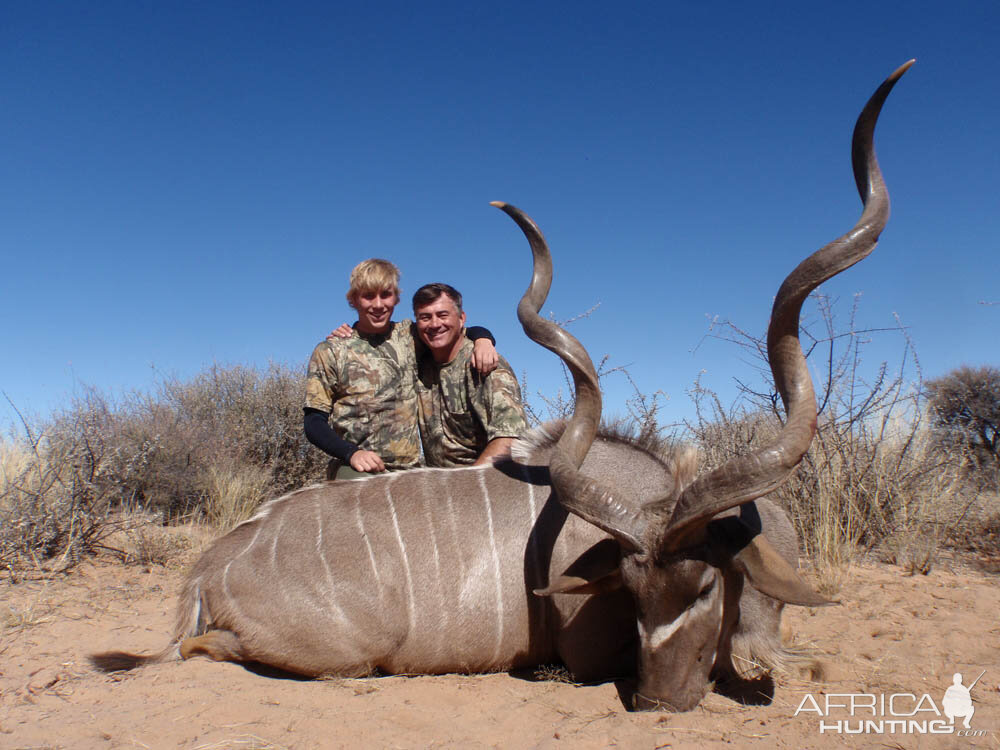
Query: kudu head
x=684 y=565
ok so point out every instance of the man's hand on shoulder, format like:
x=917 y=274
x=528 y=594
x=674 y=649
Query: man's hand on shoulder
x=367 y=461
x=484 y=356
x=343 y=331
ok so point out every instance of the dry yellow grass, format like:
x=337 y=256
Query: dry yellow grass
x=234 y=493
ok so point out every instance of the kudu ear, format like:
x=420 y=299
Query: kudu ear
x=579 y=585
x=770 y=573
x=596 y=571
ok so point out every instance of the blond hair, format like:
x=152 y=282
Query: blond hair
x=373 y=275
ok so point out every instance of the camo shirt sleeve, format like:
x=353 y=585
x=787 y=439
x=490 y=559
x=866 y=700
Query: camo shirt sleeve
x=321 y=378
x=496 y=400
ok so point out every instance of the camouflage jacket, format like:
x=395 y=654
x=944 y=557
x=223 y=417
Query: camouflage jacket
x=461 y=411
x=368 y=386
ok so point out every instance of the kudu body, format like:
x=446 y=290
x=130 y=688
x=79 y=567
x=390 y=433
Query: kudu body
x=424 y=571
x=589 y=551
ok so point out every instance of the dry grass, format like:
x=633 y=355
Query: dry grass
x=27 y=615
x=553 y=673
x=978 y=533
x=876 y=477
x=234 y=493
x=13 y=461
x=50 y=510
x=215 y=446
x=243 y=742
x=860 y=490
x=154 y=545
x=16 y=618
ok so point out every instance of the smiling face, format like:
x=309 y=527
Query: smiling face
x=375 y=310
x=374 y=293
x=441 y=326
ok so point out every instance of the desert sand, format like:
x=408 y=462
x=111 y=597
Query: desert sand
x=892 y=634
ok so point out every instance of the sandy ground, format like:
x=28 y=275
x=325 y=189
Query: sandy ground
x=893 y=634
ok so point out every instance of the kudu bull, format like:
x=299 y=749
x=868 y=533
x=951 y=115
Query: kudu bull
x=592 y=552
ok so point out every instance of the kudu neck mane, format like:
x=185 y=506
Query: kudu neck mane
x=679 y=461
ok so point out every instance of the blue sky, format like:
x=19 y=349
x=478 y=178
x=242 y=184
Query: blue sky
x=188 y=183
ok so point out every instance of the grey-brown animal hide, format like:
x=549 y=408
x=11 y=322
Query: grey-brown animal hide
x=425 y=571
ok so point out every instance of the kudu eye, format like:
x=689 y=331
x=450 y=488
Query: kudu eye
x=708 y=588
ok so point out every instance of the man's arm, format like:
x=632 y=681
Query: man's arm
x=484 y=352
x=343 y=331
x=475 y=333
x=320 y=434
x=320 y=389
x=497 y=404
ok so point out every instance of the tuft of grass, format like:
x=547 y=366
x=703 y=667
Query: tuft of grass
x=154 y=545
x=831 y=577
x=243 y=742
x=14 y=617
x=915 y=550
x=233 y=494
x=553 y=673
x=979 y=533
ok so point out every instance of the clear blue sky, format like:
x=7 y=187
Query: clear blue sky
x=188 y=183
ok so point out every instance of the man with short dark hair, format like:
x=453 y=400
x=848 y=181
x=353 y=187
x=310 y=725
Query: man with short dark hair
x=466 y=418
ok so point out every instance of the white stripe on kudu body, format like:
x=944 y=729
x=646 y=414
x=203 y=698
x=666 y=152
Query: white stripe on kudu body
x=456 y=539
x=368 y=544
x=411 y=609
x=443 y=606
x=498 y=577
x=230 y=599
x=536 y=563
x=330 y=589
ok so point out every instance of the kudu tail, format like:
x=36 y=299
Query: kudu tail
x=122 y=661
x=189 y=621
